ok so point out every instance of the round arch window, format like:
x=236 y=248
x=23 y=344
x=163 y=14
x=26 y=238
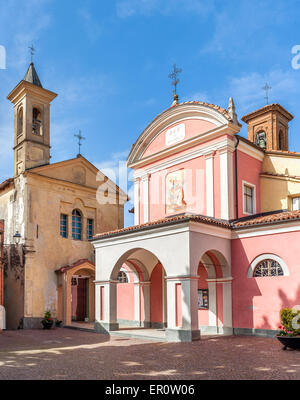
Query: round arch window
x=122 y=277
x=268 y=267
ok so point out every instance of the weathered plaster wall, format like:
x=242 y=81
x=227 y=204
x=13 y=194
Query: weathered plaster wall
x=12 y=210
x=46 y=200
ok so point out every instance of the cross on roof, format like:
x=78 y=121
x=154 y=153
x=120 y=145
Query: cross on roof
x=173 y=76
x=267 y=88
x=32 y=51
x=80 y=138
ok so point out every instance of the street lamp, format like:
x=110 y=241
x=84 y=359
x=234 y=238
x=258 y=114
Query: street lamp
x=17 y=237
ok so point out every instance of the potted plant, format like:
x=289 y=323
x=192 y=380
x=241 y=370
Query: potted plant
x=47 y=321
x=289 y=331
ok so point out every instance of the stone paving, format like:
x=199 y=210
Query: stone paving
x=71 y=354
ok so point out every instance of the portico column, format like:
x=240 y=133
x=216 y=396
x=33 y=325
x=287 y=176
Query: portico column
x=142 y=289
x=106 y=306
x=212 y=303
x=209 y=172
x=145 y=180
x=226 y=177
x=136 y=201
x=227 y=306
x=182 y=306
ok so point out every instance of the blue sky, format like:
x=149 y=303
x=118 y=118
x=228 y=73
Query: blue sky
x=109 y=63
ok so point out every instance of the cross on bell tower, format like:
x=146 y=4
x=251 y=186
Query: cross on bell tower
x=175 y=81
x=32 y=121
x=266 y=88
x=32 y=51
x=80 y=138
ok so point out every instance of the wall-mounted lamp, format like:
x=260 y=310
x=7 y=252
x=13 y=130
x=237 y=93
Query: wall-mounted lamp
x=17 y=237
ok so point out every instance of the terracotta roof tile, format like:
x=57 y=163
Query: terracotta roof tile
x=6 y=183
x=75 y=264
x=167 y=221
x=262 y=219
x=269 y=219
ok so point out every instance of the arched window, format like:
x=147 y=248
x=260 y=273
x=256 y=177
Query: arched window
x=267 y=265
x=36 y=121
x=261 y=139
x=281 y=141
x=122 y=277
x=20 y=121
x=268 y=268
x=76 y=225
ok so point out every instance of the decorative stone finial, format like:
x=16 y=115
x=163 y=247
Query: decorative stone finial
x=231 y=111
x=175 y=99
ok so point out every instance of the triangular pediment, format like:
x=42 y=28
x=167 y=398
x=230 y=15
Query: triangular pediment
x=78 y=171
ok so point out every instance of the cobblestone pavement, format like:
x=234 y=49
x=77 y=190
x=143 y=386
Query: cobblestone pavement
x=69 y=354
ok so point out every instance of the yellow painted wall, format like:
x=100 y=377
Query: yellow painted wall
x=46 y=200
x=277 y=191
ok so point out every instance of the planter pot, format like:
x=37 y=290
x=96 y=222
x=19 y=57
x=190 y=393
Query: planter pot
x=291 y=342
x=47 y=324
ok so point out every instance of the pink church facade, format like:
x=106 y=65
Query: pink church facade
x=201 y=257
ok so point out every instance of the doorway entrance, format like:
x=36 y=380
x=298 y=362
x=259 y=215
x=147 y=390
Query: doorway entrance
x=79 y=298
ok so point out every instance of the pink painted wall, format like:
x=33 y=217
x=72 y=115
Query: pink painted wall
x=125 y=301
x=194 y=189
x=125 y=297
x=249 y=169
x=217 y=186
x=193 y=127
x=257 y=301
x=156 y=294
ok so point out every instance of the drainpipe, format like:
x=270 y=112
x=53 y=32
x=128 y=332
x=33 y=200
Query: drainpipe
x=236 y=178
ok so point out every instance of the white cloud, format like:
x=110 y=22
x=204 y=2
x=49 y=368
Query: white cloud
x=92 y=27
x=235 y=25
x=198 y=96
x=129 y=8
x=248 y=91
x=116 y=170
x=30 y=18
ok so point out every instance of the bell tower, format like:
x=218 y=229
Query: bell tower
x=268 y=127
x=32 y=122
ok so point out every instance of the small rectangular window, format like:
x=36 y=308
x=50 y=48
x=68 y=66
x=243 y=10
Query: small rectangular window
x=248 y=199
x=63 y=225
x=296 y=203
x=90 y=228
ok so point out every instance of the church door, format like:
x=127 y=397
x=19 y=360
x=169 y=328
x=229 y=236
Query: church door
x=79 y=299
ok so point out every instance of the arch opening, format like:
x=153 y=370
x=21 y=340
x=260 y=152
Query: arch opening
x=214 y=293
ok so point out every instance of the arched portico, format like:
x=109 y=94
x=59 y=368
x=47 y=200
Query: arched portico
x=178 y=248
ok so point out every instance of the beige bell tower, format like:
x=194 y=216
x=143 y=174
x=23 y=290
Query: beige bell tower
x=32 y=122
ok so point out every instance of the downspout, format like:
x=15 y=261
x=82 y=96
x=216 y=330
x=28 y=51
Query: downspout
x=236 y=178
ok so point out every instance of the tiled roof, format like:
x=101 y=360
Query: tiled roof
x=32 y=76
x=167 y=221
x=283 y=152
x=75 y=264
x=280 y=175
x=6 y=183
x=215 y=107
x=261 y=219
x=267 y=108
x=269 y=219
